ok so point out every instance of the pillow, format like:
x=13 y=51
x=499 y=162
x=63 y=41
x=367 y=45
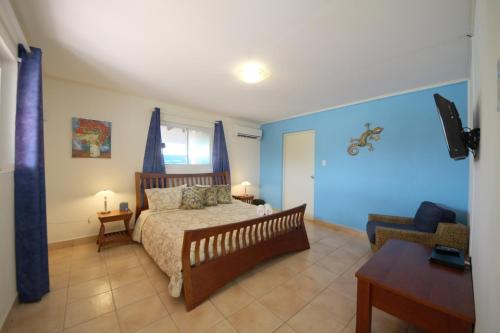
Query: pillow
x=164 y=198
x=224 y=194
x=193 y=197
x=429 y=215
x=210 y=198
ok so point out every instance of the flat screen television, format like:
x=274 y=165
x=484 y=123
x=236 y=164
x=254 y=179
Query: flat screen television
x=452 y=127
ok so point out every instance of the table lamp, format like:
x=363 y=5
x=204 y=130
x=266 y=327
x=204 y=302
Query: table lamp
x=246 y=183
x=105 y=193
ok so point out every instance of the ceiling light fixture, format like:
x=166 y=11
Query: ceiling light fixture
x=252 y=72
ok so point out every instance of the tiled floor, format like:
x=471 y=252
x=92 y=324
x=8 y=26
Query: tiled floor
x=122 y=290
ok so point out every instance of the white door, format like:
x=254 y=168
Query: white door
x=298 y=171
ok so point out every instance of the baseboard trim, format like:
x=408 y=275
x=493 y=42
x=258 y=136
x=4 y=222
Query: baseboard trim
x=341 y=228
x=3 y=326
x=72 y=242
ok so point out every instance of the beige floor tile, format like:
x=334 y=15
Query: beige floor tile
x=316 y=252
x=319 y=275
x=90 y=254
x=333 y=265
x=333 y=241
x=296 y=263
x=118 y=264
x=61 y=268
x=344 y=255
x=152 y=269
x=173 y=304
x=140 y=314
x=59 y=281
x=285 y=329
x=342 y=307
x=383 y=322
x=119 y=251
x=164 y=325
x=351 y=327
x=199 y=319
x=257 y=284
x=143 y=256
x=254 y=318
x=305 y=287
x=86 y=274
x=222 y=327
x=128 y=276
x=42 y=317
x=107 y=323
x=359 y=246
x=60 y=255
x=160 y=282
x=283 y=302
x=80 y=264
x=133 y=292
x=264 y=280
x=314 y=318
x=345 y=285
x=231 y=299
x=89 y=288
x=88 y=308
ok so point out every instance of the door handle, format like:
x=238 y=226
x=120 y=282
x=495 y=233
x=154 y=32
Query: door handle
x=312 y=177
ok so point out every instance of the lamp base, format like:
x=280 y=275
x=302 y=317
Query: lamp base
x=105 y=212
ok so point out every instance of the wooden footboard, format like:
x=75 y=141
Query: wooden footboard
x=212 y=257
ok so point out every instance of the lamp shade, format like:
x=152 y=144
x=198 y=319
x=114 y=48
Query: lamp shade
x=246 y=183
x=104 y=193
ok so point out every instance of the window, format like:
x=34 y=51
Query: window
x=186 y=144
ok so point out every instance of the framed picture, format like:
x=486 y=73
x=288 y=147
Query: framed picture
x=91 y=138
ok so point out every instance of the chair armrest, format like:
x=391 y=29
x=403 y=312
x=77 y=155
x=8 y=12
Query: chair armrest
x=390 y=218
x=454 y=235
x=382 y=235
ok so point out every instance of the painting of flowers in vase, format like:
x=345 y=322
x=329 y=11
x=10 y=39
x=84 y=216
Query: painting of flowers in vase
x=91 y=138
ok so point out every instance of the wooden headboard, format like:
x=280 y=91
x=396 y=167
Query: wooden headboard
x=158 y=180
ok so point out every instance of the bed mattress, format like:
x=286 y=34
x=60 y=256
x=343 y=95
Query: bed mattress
x=162 y=233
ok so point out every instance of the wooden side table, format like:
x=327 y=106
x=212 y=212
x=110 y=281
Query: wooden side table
x=400 y=280
x=245 y=198
x=123 y=236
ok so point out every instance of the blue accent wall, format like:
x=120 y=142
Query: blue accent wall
x=410 y=163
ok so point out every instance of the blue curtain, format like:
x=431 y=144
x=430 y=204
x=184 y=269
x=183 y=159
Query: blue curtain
x=220 y=158
x=29 y=180
x=153 y=158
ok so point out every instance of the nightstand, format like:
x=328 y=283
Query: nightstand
x=123 y=236
x=245 y=198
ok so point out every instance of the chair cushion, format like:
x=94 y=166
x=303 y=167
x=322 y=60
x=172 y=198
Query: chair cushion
x=429 y=215
x=372 y=226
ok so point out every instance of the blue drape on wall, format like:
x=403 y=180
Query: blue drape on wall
x=153 y=158
x=220 y=158
x=29 y=180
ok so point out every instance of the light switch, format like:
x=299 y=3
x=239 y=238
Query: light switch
x=323 y=162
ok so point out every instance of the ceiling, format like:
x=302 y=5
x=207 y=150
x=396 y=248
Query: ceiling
x=320 y=53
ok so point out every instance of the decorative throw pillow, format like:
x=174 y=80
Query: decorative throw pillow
x=210 y=198
x=193 y=198
x=224 y=194
x=164 y=198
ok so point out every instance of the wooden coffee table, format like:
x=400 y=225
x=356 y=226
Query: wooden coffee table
x=400 y=280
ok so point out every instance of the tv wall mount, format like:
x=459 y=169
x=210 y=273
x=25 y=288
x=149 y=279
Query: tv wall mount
x=471 y=139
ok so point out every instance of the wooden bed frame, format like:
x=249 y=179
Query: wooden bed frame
x=248 y=242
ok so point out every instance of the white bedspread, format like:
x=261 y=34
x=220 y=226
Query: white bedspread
x=162 y=233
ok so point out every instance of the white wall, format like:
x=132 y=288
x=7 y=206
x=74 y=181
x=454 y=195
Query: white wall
x=8 y=88
x=485 y=172
x=72 y=182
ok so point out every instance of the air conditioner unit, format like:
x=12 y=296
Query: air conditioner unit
x=248 y=132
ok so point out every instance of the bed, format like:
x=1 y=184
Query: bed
x=202 y=250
